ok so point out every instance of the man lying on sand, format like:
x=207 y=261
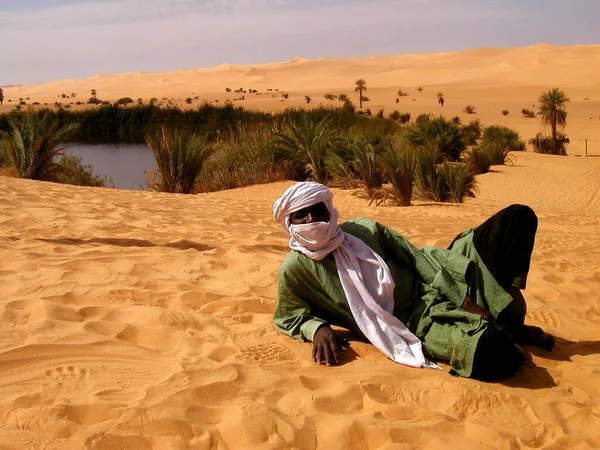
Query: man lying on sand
x=461 y=305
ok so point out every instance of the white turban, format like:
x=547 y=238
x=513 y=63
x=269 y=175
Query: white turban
x=315 y=240
x=365 y=277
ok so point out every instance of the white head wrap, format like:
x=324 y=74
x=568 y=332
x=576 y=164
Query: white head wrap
x=365 y=277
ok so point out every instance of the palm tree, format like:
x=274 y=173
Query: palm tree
x=361 y=86
x=94 y=93
x=1 y=96
x=180 y=157
x=33 y=140
x=440 y=98
x=554 y=114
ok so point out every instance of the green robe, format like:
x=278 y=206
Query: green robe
x=431 y=284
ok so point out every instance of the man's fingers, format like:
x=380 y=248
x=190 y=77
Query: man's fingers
x=328 y=354
x=318 y=354
x=314 y=353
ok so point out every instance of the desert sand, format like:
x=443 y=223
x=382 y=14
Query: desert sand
x=491 y=79
x=140 y=320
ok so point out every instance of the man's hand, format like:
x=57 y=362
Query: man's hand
x=327 y=346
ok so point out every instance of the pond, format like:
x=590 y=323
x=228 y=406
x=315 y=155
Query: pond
x=123 y=163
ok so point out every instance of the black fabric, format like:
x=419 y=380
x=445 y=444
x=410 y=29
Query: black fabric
x=505 y=243
x=496 y=356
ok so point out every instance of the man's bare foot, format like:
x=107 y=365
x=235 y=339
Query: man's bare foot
x=530 y=335
x=472 y=307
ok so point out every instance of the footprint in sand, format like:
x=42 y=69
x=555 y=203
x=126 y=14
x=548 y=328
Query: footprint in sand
x=67 y=374
x=266 y=353
x=547 y=318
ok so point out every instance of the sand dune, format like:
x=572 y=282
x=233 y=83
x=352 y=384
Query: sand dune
x=491 y=79
x=143 y=320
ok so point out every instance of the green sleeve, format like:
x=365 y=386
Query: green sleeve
x=447 y=272
x=293 y=314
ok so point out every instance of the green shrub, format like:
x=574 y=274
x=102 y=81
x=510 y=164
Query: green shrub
x=459 y=182
x=426 y=159
x=545 y=144
x=94 y=101
x=479 y=160
x=33 y=140
x=188 y=100
x=365 y=162
x=248 y=157
x=404 y=118
x=76 y=173
x=4 y=156
x=379 y=114
x=528 y=113
x=505 y=112
x=180 y=157
x=472 y=132
x=309 y=141
x=124 y=101
x=469 y=109
x=399 y=164
x=342 y=97
x=330 y=96
x=438 y=132
x=498 y=140
x=395 y=116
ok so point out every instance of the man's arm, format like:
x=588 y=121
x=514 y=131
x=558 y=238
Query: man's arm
x=295 y=317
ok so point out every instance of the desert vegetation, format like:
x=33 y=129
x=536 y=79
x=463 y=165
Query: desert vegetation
x=440 y=98
x=553 y=114
x=469 y=109
x=1 y=96
x=180 y=157
x=528 y=113
x=361 y=86
x=33 y=140
x=222 y=147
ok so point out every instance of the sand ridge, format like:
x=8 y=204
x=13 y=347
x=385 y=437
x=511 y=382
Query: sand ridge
x=143 y=320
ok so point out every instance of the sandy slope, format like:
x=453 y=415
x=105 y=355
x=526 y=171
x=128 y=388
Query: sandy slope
x=142 y=320
x=491 y=79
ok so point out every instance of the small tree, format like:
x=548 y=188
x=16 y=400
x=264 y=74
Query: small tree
x=440 y=98
x=554 y=114
x=307 y=98
x=469 y=109
x=342 y=97
x=93 y=93
x=1 y=96
x=361 y=86
x=188 y=100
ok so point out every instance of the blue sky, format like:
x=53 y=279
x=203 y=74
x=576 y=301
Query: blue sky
x=46 y=40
